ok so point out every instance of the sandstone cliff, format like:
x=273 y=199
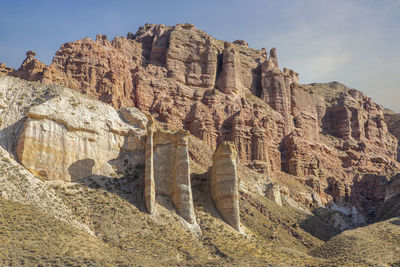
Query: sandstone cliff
x=224 y=183
x=78 y=139
x=323 y=135
x=65 y=136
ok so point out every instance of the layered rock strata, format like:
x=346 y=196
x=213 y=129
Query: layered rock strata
x=71 y=137
x=224 y=183
x=149 y=191
x=230 y=80
x=31 y=69
x=221 y=91
x=172 y=171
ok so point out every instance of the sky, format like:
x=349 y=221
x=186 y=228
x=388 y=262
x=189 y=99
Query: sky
x=353 y=42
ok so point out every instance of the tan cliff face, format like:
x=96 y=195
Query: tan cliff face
x=71 y=138
x=225 y=183
x=222 y=91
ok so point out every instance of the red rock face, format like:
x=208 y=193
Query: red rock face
x=100 y=68
x=223 y=91
x=31 y=68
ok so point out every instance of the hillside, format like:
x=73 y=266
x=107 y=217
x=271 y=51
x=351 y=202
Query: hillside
x=171 y=147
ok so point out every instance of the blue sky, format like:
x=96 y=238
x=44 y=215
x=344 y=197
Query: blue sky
x=354 y=42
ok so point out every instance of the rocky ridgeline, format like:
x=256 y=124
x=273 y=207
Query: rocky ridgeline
x=325 y=137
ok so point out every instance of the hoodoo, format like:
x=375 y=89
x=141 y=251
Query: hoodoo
x=224 y=183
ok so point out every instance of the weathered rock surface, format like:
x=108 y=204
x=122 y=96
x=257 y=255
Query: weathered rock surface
x=222 y=91
x=392 y=120
x=172 y=171
x=150 y=188
x=68 y=136
x=18 y=184
x=4 y=70
x=230 y=80
x=272 y=192
x=31 y=68
x=224 y=183
x=100 y=68
x=71 y=137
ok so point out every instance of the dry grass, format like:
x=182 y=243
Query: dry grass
x=31 y=237
x=372 y=245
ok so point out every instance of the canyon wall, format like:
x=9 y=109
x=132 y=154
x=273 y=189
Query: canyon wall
x=221 y=91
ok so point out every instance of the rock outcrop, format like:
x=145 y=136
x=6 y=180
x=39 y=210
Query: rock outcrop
x=272 y=192
x=150 y=189
x=71 y=137
x=222 y=91
x=4 y=70
x=392 y=120
x=97 y=67
x=172 y=171
x=31 y=68
x=224 y=183
x=230 y=80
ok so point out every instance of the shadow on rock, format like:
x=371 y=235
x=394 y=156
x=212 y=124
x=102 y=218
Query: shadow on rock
x=81 y=169
x=395 y=222
x=201 y=190
x=322 y=224
x=125 y=181
x=9 y=136
x=129 y=187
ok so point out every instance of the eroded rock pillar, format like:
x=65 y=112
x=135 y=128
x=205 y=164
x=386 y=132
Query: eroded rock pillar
x=230 y=80
x=224 y=184
x=182 y=195
x=276 y=90
x=149 y=191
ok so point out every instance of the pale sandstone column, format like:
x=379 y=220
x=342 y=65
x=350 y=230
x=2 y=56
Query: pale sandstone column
x=182 y=195
x=149 y=190
x=224 y=183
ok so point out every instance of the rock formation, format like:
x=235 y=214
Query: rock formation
x=392 y=120
x=272 y=192
x=224 y=183
x=172 y=171
x=222 y=91
x=230 y=81
x=31 y=68
x=276 y=91
x=70 y=138
x=4 y=70
x=150 y=190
